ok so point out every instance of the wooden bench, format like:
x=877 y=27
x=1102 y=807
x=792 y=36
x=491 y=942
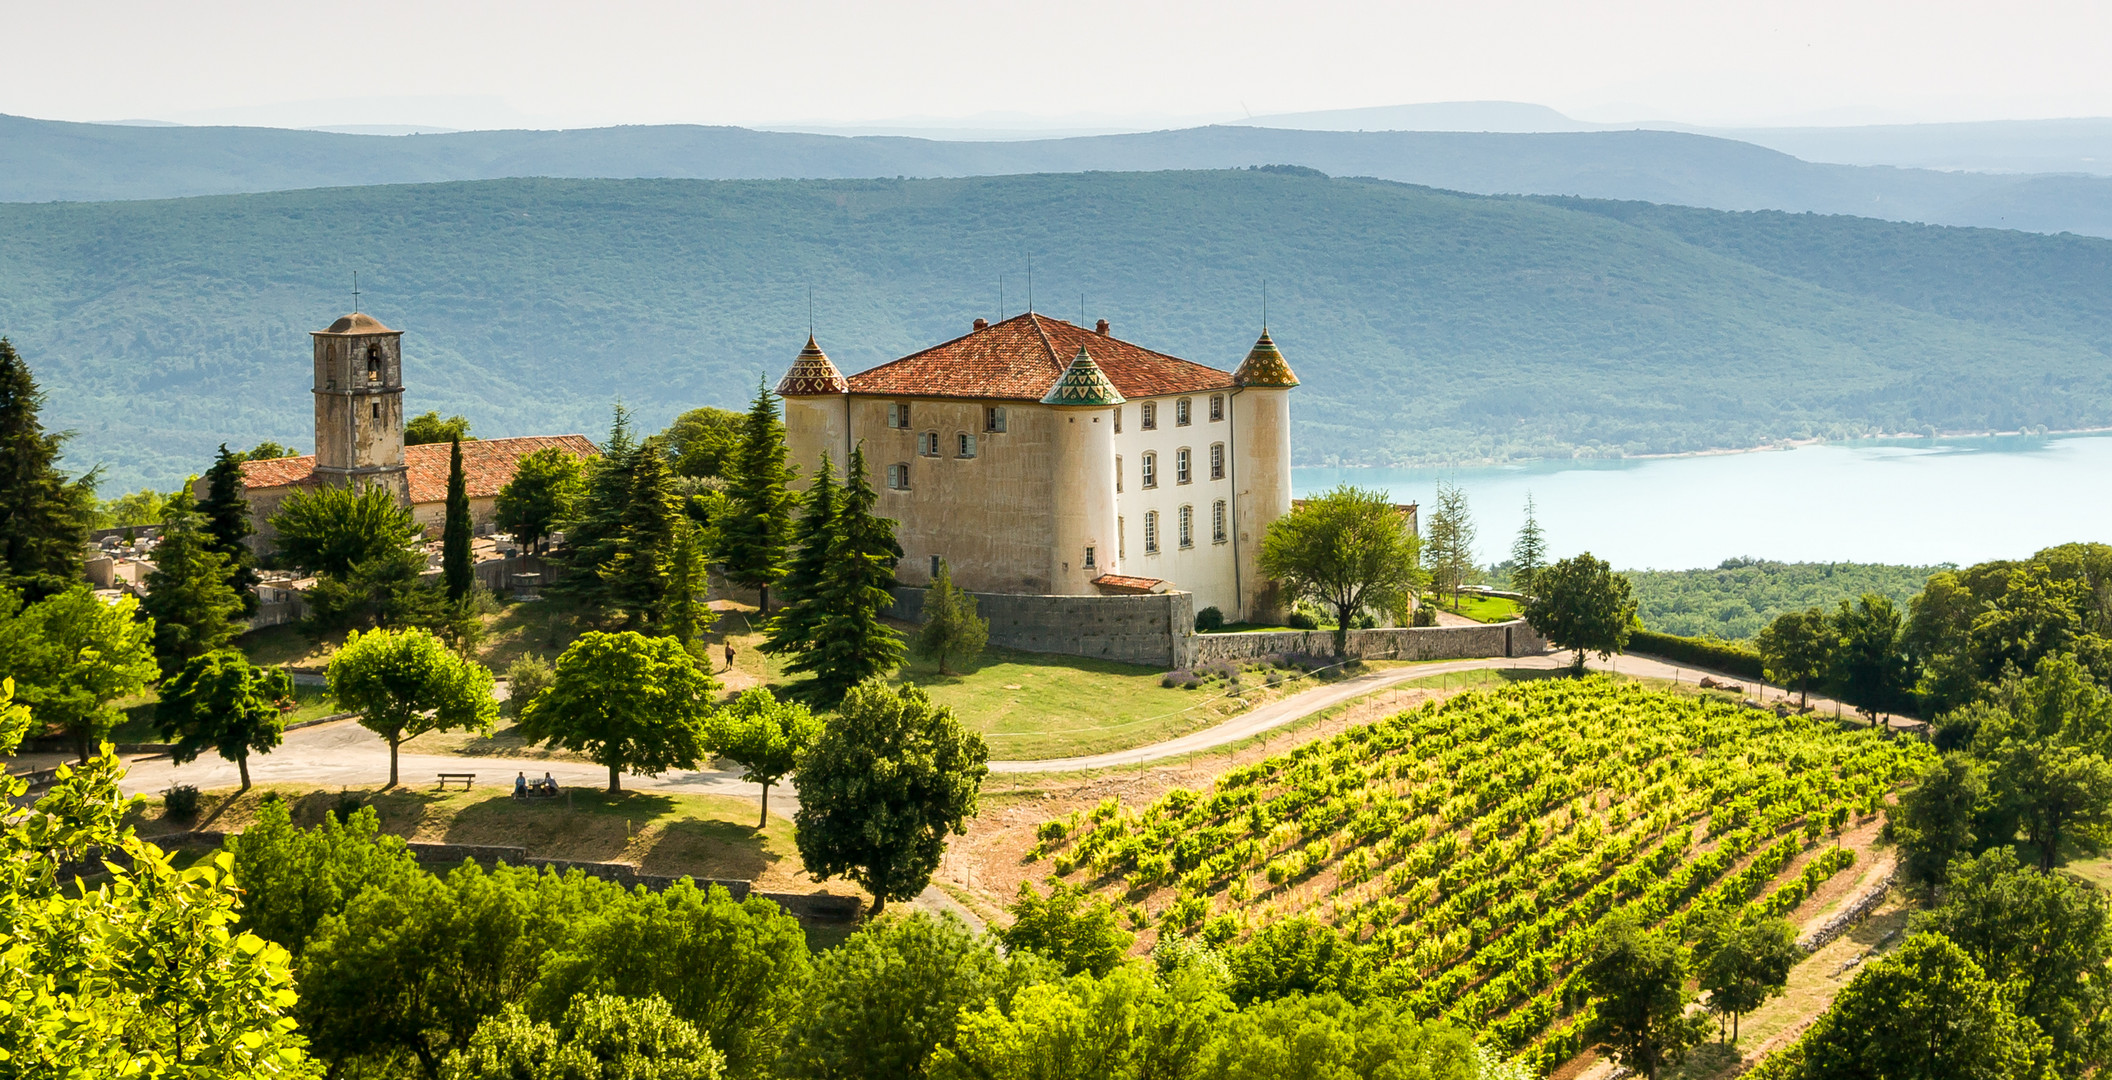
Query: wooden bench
x=449 y=777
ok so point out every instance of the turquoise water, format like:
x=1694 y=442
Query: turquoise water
x=1913 y=501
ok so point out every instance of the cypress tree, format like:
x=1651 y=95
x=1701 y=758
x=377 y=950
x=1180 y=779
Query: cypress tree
x=455 y=570
x=225 y=509
x=685 y=611
x=193 y=606
x=850 y=642
x=596 y=526
x=44 y=517
x=792 y=630
x=755 y=535
x=633 y=575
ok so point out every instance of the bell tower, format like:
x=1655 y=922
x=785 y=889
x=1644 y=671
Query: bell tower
x=359 y=405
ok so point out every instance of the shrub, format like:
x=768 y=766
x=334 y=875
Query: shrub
x=1209 y=620
x=1299 y=620
x=1425 y=615
x=1701 y=652
x=526 y=679
x=180 y=803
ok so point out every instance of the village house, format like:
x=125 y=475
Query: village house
x=1037 y=457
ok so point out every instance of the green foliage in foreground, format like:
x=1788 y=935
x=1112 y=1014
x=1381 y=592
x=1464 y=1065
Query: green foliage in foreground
x=69 y=656
x=1734 y=601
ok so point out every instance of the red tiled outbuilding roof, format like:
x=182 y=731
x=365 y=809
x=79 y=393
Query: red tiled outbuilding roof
x=487 y=464
x=1023 y=356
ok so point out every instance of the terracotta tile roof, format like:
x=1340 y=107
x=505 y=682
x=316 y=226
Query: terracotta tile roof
x=487 y=464
x=1120 y=584
x=1022 y=357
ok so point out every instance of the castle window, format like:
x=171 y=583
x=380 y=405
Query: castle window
x=1151 y=470
x=1187 y=526
x=1118 y=474
x=1217 y=522
x=1217 y=407
x=1121 y=538
x=898 y=477
x=1151 y=532
x=934 y=568
x=1118 y=419
x=373 y=363
x=1217 y=461
x=377 y=410
x=928 y=444
x=1150 y=413
x=898 y=414
x=1181 y=472
x=994 y=418
x=963 y=445
x=1182 y=416
x=1089 y=564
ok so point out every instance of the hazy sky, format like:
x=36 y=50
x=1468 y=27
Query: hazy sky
x=536 y=63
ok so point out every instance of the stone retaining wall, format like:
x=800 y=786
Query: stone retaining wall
x=1391 y=643
x=1856 y=911
x=1150 y=630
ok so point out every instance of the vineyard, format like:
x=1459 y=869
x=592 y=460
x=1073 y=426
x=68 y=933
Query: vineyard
x=1475 y=844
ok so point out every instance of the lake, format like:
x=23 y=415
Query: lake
x=1915 y=501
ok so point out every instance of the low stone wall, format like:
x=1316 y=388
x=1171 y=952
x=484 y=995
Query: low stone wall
x=1390 y=643
x=1855 y=911
x=1150 y=630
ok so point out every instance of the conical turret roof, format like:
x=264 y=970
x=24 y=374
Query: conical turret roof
x=811 y=374
x=1264 y=366
x=1083 y=383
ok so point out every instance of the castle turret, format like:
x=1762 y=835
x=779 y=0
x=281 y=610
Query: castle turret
x=1084 y=401
x=817 y=416
x=1261 y=425
x=359 y=405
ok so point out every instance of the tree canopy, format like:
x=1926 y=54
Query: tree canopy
x=224 y=703
x=457 y=574
x=191 y=596
x=1582 y=605
x=764 y=736
x=540 y=497
x=1070 y=926
x=1925 y=1012
x=1349 y=549
x=627 y=701
x=754 y=539
x=44 y=514
x=71 y=655
x=225 y=514
x=849 y=642
x=331 y=529
x=404 y=683
x=704 y=442
x=428 y=427
x=951 y=628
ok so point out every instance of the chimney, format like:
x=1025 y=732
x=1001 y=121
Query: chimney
x=1102 y=328
x=982 y=324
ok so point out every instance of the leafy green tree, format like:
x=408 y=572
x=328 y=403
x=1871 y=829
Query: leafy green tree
x=1324 y=1035
x=1798 y=646
x=635 y=575
x=526 y=678
x=330 y=530
x=594 y=529
x=1933 y=823
x=738 y=971
x=191 y=597
x=541 y=496
x=626 y=701
x=427 y=427
x=600 y=1037
x=224 y=703
x=1450 y=549
x=1926 y=1012
x=1349 y=550
x=881 y=1002
x=404 y=683
x=456 y=572
x=144 y=975
x=1582 y=605
x=44 y=515
x=801 y=606
x=225 y=510
x=951 y=626
x=1871 y=669
x=1123 y=1026
x=387 y=591
x=1529 y=551
x=142 y=507
x=704 y=442
x=268 y=450
x=851 y=644
x=2045 y=740
x=294 y=878
x=764 y=736
x=890 y=777
x=1634 y=980
x=1745 y=962
x=70 y=655
x=1070 y=926
x=413 y=968
x=685 y=608
x=754 y=538
x=2044 y=937
x=1299 y=955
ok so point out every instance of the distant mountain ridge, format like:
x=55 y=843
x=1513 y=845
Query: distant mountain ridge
x=43 y=160
x=1427 y=326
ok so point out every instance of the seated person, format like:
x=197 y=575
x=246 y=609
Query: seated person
x=520 y=784
x=549 y=784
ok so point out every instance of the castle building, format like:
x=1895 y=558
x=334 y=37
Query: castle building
x=1034 y=456
x=359 y=438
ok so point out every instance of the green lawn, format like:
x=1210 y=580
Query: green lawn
x=1485 y=609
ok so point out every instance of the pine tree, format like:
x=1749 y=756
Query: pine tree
x=193 y=606
x=800 y=608
x=633 y=576
x=850 y=643
x=455 y=569
x=951 y=626
x=227 y=524
x=685 y=611
x=1450 y=548
x=1529 y=551
x=754 y=538
x=44 y=517
x=596 y=526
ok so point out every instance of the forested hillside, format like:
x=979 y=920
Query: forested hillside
x=1735 y=600
x=43 y=160
x=1427 y=326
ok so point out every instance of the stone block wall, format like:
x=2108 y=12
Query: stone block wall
x=1392 y=643
x=1150 y=630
